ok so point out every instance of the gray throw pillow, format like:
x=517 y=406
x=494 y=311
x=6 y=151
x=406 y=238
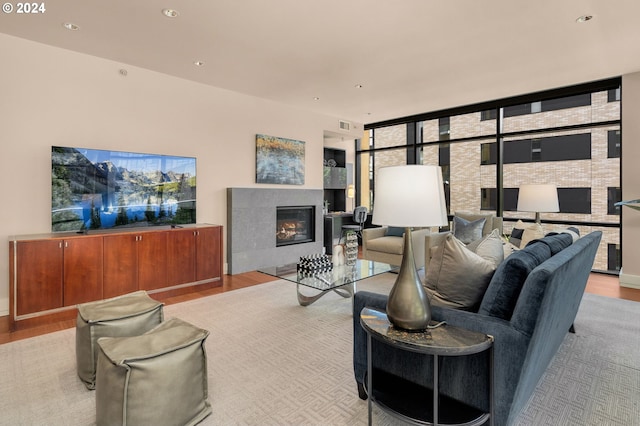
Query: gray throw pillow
x=467 y=231
x=457 y=277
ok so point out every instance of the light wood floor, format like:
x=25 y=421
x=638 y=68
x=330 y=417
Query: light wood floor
x=602 y=284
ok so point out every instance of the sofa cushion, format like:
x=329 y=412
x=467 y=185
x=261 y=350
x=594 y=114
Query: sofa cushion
x=391 y=245
x=466 y=230
x=457 y=277
x=522 y=233
x=489 y=247
x=504 y=289
x=394 y=231
x=488 y=224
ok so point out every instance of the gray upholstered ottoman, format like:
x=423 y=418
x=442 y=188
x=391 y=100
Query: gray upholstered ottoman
x=127 y=315
x=158 y=378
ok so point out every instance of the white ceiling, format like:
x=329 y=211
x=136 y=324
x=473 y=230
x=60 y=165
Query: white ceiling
x=410 y=56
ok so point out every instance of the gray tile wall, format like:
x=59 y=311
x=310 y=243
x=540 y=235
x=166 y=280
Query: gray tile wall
x=251 y=227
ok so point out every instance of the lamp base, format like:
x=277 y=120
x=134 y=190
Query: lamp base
x=408 y=306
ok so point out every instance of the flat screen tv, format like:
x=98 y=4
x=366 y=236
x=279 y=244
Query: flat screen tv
x=96 y=189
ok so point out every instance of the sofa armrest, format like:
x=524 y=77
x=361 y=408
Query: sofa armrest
x=417 y=241
x=497 y=224
x=432 y=240
x=369 y=234
x=457 y=374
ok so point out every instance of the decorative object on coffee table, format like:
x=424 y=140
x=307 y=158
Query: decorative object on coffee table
x=351 y=250
x=408 y=196
x=538 y=198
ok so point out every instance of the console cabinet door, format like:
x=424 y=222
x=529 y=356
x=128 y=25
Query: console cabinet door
x=208 y=253
x=83 y=273
x=152 y=260
x=181 y=256
x=38 y=276
x=120 y=264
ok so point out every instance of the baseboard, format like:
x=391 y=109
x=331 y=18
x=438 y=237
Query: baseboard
x=629 y=281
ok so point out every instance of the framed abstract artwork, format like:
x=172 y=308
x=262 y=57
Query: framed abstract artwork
x=279 y=160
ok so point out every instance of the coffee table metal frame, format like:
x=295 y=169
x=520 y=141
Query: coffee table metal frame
x=341 y=279
x=445 y=340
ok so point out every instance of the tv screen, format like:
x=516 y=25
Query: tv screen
x=97 y=189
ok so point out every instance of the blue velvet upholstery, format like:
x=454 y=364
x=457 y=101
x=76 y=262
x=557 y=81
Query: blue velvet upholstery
x=506 y=283
x=544 y=310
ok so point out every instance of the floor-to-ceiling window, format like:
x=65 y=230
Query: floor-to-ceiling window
x=568 y=137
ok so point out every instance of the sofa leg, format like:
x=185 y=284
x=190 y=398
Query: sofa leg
x=572 y=329
x=361 y=392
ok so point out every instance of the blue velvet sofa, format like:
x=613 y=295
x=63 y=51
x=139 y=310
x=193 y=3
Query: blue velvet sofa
x=529 y=306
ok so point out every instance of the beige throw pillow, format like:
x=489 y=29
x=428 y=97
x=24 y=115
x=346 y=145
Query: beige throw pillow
x=457 y=277
x=489 y=247
x=523 y=233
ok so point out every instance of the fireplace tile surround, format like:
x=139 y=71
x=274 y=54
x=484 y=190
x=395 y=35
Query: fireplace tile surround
x=251 y=227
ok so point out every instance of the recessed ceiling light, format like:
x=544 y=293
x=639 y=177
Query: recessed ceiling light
x=71 y=26
x=584 y=18
x=198 y=63
x=170 y=13
x=358 y=86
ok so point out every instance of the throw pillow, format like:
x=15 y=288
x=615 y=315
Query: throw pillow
x=457 y=277
x=394 y=231
x=489 y=247
x=522 y=234
x=488 y=225
x=468 y=231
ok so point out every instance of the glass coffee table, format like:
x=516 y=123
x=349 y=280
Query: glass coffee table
x=341 y=279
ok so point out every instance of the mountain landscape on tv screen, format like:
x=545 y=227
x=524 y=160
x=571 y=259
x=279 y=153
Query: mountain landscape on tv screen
x=95 y=189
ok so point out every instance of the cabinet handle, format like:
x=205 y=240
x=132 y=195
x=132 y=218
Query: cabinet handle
x=140 y=238
x=66 y=244
x=60 y=244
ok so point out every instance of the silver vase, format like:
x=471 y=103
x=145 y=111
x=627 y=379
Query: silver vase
x=408 y=305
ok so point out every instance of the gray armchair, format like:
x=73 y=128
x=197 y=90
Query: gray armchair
x=386 y=245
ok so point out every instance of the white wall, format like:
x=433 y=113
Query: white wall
x=51 y=96
x=630 y=274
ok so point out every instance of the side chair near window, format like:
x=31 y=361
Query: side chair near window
x=360 y=214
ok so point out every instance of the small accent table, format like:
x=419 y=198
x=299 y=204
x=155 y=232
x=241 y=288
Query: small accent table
x=341 y=279
x=409 y=404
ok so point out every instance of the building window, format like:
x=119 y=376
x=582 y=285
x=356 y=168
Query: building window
x=566 y=102
x=489 y=114
x=574 y=200
x=614 y=257
x=444 y=128
x=613 y=144
x=554 y=148
x=614 y=195
x=613 y=95
x=570 y=200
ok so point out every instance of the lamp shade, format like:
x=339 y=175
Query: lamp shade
x=409 y=196
x=538 y=198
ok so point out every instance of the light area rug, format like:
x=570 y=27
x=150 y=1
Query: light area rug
x=273 y=362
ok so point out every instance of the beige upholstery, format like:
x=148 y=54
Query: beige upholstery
x=127 y=315
x=436 y=238
x=388 y=249
x=158 y=378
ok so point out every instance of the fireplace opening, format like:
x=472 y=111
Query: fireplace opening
x=295 y=225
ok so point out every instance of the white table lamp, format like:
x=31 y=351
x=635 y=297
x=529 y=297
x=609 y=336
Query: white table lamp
x=409 y=196
x=538 y=198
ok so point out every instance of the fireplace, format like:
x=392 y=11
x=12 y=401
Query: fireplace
x=295 y=225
